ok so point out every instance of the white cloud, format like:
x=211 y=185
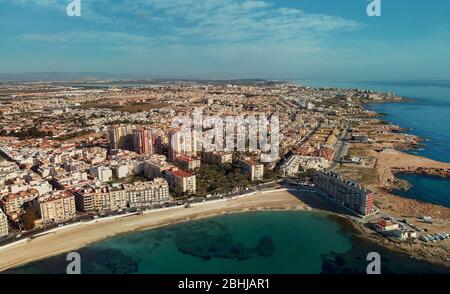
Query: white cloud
x=213 y=38
x=233 y=20
x=207 y=20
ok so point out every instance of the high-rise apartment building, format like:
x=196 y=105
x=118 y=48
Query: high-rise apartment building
x=120 y=137
x=182 y=142
x=142 y=141
x=344 y=192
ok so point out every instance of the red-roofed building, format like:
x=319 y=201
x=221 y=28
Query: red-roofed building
x=384 y=225
x=187 y=162
x=13 y=202
x=180 y=181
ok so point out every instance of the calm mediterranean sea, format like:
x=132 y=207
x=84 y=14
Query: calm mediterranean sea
x=256 y=242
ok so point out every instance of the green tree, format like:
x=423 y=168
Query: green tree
x=29 y=218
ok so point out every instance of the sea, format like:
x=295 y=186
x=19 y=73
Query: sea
x=284 y=242
x=291 y=242
x=427 y=115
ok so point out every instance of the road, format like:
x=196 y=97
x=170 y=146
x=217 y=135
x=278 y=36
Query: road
x=341 y=150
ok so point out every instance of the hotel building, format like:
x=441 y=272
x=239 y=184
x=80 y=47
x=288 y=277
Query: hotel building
x=344 y=192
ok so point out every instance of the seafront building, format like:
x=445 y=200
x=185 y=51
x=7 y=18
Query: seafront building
x=56 y=207
x=344 y=192
x=91 y=198
x=290 y=166
x=4 y=231
x=114 y=197
x=147 y=193
x=180 y=181
x=254 y=170
x=12 y=203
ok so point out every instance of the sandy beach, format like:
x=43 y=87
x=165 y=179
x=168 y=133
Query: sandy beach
x=72 y=238
x=391 y=159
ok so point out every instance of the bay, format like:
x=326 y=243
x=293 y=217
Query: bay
x=257 y=242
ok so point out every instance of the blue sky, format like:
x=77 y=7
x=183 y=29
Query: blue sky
x=276 y=39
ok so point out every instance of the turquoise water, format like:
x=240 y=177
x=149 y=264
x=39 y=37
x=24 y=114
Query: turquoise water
x=265 y=242
x=427 y=188
x=258 y=242
x=428 y=115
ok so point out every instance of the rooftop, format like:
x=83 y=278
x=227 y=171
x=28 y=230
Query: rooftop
x=179 y=173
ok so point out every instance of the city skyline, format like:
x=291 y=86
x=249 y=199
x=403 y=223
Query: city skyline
x=228 y=39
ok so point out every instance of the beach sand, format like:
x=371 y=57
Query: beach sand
x=72 y=238
x=390 y=159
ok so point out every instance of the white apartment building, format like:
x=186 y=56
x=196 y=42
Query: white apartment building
x=120 y=170
x=3 y=224
x=147 y=193
x=56 y=207
x=254 y=170
x=101 y=173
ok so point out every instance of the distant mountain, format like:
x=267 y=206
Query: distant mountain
x=63 y=76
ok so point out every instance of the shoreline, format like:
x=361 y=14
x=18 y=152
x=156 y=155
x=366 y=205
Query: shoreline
x=390 y=157
x=282 y=200
x=72 y=238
